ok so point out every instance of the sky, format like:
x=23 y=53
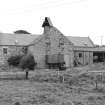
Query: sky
x=72 y=17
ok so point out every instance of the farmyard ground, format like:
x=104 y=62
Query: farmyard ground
x=45 y=87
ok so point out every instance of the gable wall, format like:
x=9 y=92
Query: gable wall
x=40 y=49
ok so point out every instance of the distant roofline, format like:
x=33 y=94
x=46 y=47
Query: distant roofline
x=21 y=34
x=9 y=39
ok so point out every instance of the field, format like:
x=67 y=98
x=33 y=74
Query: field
x=50 y=87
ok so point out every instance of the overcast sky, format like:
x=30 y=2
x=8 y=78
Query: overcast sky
x=71 y=17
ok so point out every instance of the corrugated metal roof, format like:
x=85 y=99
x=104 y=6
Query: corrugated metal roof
x=17 y=39
x=81 y=41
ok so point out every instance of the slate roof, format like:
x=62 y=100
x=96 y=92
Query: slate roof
x=17 y=39
x=30 y=39
x=38 y=39
x=81 y=41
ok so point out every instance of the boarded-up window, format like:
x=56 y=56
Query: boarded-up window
x=5 y=51
x=55 y=58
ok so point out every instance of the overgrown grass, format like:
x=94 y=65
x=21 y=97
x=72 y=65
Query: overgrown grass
x=48 y=88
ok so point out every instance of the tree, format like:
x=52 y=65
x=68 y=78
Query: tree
x=21 y=32
x=27 y=63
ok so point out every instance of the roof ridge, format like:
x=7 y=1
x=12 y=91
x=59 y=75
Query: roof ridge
x=79 y=36
x=23 y=39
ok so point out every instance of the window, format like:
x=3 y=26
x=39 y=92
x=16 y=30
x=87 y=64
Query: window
x=25 y=50
x=80 y=54
x=4 y=50
x=61 y=42
x=48 y=44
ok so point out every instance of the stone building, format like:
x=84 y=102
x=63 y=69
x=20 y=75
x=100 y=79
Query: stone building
x=52 y=49
x=12 y=44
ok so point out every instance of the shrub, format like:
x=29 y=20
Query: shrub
x=17 y=103
x=27 y=62
x=14 y=60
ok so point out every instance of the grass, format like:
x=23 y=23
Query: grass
x=28 y=93
x=46 y=87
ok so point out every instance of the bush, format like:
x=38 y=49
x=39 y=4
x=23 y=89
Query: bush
x=14 y=60
x=27 y=62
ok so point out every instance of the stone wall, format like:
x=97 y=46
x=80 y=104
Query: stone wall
x=11 y=50
x=38 y=50
x=52 y=42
